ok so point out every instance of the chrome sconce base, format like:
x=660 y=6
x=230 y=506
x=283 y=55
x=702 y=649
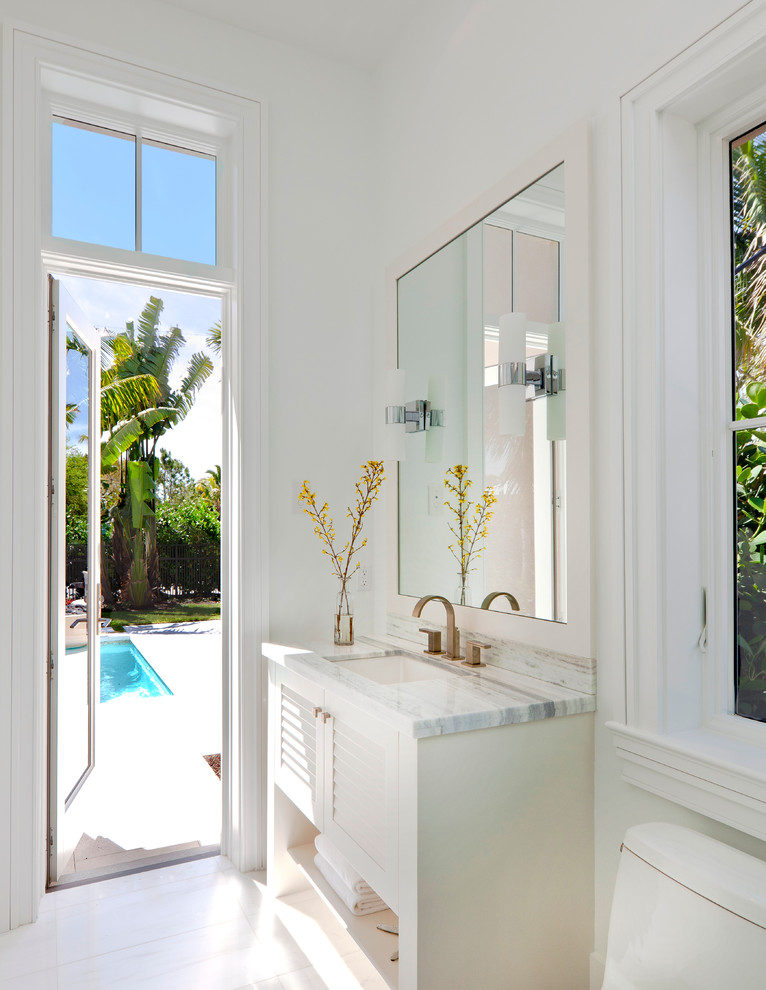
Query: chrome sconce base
x=546 y=377
x=417 y=416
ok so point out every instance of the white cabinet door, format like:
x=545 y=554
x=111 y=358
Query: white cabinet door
x=298 y=741
x=360 y=793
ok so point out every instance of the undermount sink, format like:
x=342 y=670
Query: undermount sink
x=396 y=669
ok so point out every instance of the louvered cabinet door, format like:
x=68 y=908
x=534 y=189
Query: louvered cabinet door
x=360 y=781
x=297 y=743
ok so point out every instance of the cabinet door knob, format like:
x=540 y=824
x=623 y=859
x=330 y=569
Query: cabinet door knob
x=325 y=716
x=316 y=711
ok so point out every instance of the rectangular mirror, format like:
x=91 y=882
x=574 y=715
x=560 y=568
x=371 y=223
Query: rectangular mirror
x=489 y=323
x=500 y=526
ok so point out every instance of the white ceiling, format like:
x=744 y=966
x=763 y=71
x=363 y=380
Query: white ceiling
x=358 y=32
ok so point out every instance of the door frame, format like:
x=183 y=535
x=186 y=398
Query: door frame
x=37 y=65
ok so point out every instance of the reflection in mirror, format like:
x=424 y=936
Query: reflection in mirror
x=488 y=307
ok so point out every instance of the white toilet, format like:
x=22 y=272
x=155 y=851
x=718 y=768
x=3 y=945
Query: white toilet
x=689 y=913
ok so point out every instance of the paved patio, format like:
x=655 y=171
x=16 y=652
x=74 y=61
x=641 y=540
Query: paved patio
x=151 y=786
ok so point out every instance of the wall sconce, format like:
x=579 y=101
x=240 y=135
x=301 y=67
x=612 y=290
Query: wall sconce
x=417 y=416
x=514 y=375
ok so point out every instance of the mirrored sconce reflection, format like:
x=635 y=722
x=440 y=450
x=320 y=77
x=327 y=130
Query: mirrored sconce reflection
x=545 y=373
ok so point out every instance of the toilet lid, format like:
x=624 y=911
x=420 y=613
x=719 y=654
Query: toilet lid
x=726 y=876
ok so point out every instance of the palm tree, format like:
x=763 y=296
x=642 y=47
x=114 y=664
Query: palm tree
x=210 y=486
x=749 y=216
x=139 y=362
x=213 y=339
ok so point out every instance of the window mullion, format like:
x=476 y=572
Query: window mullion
x=139 y=156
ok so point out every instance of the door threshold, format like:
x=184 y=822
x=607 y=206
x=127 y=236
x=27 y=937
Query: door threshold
x=142 y=865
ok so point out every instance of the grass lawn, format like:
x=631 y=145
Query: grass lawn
x=167 y=612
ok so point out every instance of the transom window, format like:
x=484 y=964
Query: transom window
x=748 y=196
x=121 y=190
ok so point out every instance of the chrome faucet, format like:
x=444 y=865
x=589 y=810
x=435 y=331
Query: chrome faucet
x=453 y=634
x=500 y=594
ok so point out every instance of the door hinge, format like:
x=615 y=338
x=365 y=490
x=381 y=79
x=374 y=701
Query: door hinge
x=50 y=837
x=50 y=662
x=53 y=487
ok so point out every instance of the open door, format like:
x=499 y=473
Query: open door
x=75 y=567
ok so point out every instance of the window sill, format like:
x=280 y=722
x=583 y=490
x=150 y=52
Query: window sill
x=712 y=774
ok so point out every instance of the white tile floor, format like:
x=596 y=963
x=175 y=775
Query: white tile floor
x=193 y=926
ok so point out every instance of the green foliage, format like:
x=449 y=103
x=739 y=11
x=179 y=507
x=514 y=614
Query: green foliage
x=749 y=222
x=751 y=548
x=76 y=528
x=213 y=339
x=209 y=487
x=76 y=484
x=749 y=239
x=193 y=521
x=174 y=481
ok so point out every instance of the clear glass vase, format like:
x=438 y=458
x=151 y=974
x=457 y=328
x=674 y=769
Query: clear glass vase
x=463 y=590
x=343 y=626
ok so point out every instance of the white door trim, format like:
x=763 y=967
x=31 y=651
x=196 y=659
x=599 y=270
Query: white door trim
x=244 y=509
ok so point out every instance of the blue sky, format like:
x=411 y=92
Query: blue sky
x=93 y=194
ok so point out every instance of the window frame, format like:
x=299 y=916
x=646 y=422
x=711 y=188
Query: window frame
x=680 y=738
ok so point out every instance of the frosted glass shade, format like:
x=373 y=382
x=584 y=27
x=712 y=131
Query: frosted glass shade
x=557 y=404
x=511 y=399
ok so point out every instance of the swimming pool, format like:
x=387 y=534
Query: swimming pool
x=125 y=670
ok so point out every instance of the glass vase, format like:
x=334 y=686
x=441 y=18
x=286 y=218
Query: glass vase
x=343 y=626
x=463 y=590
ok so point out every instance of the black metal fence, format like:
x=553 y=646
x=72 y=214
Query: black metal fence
x=184 y=570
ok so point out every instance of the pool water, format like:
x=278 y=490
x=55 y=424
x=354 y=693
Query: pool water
x=124 y=670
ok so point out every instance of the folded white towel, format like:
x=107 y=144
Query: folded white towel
x=358 y=904
x=351 y=878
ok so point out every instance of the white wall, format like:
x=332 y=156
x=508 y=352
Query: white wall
x=319 y=286
x=465 y=97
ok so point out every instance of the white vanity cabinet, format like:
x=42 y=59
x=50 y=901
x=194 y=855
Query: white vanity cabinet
x=340 y=768
x=478 y=835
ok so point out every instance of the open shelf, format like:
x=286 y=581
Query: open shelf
x=376 y=945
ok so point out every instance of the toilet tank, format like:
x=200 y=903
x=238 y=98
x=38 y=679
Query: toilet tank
x=689 y=913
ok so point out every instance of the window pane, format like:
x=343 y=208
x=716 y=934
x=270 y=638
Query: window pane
x=748 y=169
x=751 y=573
x=178 y=214
x=93 y=186
x=748 y=172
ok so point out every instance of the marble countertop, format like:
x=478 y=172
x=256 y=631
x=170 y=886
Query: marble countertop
x=463 y=700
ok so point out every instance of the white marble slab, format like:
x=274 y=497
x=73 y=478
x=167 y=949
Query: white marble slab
x=463 y=700
x=578 y=673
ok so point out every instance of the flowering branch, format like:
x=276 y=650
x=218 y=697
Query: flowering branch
x=470 y=523
x=367 y=489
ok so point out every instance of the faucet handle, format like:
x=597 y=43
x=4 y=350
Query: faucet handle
x=473 y=653
x=434 y=648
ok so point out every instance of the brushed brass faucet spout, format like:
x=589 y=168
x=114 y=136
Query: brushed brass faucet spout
x=500 y=594
x=453 y=634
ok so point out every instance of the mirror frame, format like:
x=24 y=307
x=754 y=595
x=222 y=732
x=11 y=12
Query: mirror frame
x=575 y=636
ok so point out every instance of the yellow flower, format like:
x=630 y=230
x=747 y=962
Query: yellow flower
x=366 y=489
